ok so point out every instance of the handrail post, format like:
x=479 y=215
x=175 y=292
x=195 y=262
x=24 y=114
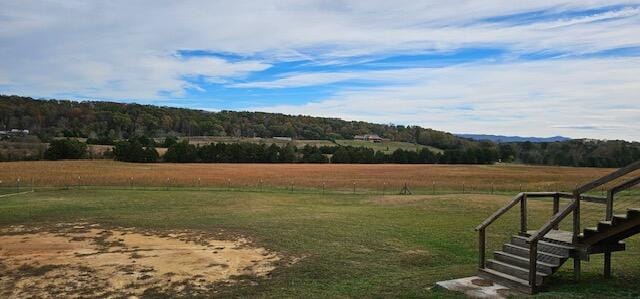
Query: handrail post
x=609 y=213
x=523 y=214
x=576 y=232
x=481 y=247
x=533 y=263
x=576 y=217
x=556 y=207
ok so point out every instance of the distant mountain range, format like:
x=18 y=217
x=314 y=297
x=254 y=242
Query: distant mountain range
x=500 y=138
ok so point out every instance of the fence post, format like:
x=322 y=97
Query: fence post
x=384 y=187
x=462 y=187
x=323 y=188
x=17 y=185
x=433 y=187
x=491 y=188
x=261 y=182
x=354 y=188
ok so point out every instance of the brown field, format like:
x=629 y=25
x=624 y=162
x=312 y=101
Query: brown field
x=370 y=177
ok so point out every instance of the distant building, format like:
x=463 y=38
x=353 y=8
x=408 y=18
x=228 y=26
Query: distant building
x=14 y=132
x=368 y=137
x=282 y=138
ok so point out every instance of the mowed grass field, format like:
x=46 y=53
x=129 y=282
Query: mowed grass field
x=345 y=245
x=387 y=146
x=366 y=178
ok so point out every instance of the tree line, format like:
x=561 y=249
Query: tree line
x=108 y=121
x=116 y=123
x=245 y=152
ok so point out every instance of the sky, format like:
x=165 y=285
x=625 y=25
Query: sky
x=528 y=68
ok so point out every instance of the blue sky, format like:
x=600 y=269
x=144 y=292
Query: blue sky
x=534 y=68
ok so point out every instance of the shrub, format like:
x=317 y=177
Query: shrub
x=65 y=149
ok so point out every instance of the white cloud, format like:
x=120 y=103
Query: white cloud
x=595 y=97
x=127 y=50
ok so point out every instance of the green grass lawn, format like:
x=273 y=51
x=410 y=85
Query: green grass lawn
x=349 y=245
x=387 y=146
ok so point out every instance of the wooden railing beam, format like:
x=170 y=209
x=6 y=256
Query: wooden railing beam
x=608 y=178
x=499 y=212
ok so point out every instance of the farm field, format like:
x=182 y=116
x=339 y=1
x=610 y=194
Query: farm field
x=201 y=140
x=366 y=178
x=387 y=146
x=328 y=246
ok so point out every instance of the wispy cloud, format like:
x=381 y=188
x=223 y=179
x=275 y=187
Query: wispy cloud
x=536 y=97
x=143 y=50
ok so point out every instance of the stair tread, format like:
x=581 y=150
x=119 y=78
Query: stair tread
x=620 y=216
x=526 y=259
x=517 y=267
x=539 y=252
x=608 y=222
x=507 y=276
x=562 y=246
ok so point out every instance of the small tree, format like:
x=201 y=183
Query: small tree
x=182 y=152
x=65 y=149
x=133 y=151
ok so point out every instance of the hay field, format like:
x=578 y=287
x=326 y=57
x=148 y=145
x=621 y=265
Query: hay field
x=371 y=177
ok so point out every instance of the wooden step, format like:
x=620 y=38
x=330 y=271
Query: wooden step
x=589 y=231
x=513 y=270
x=542 y=256
x=619 y=219
x=557 y=249
x=522 y=262
x=604 y=225
x=506 y=280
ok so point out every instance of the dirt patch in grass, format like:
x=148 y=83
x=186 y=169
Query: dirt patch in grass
x=82 y=260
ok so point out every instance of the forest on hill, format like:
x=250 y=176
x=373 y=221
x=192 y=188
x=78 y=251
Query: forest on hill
x=110 y=123
x=61 y=118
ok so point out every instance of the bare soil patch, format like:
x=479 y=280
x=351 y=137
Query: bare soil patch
x=86 y=260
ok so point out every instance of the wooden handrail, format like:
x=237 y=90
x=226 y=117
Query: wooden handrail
x=625 y=185
x=614 y=190
x=533 y=240
x=554 y=221
x=608 y=178
x=500 y=211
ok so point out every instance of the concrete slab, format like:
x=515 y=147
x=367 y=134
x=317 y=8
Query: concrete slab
x=477 y=287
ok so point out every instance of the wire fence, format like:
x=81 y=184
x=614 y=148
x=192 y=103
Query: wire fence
x=292 y=186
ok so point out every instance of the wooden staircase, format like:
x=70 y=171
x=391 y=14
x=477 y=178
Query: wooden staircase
x=528 y=260
x=510 y=266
